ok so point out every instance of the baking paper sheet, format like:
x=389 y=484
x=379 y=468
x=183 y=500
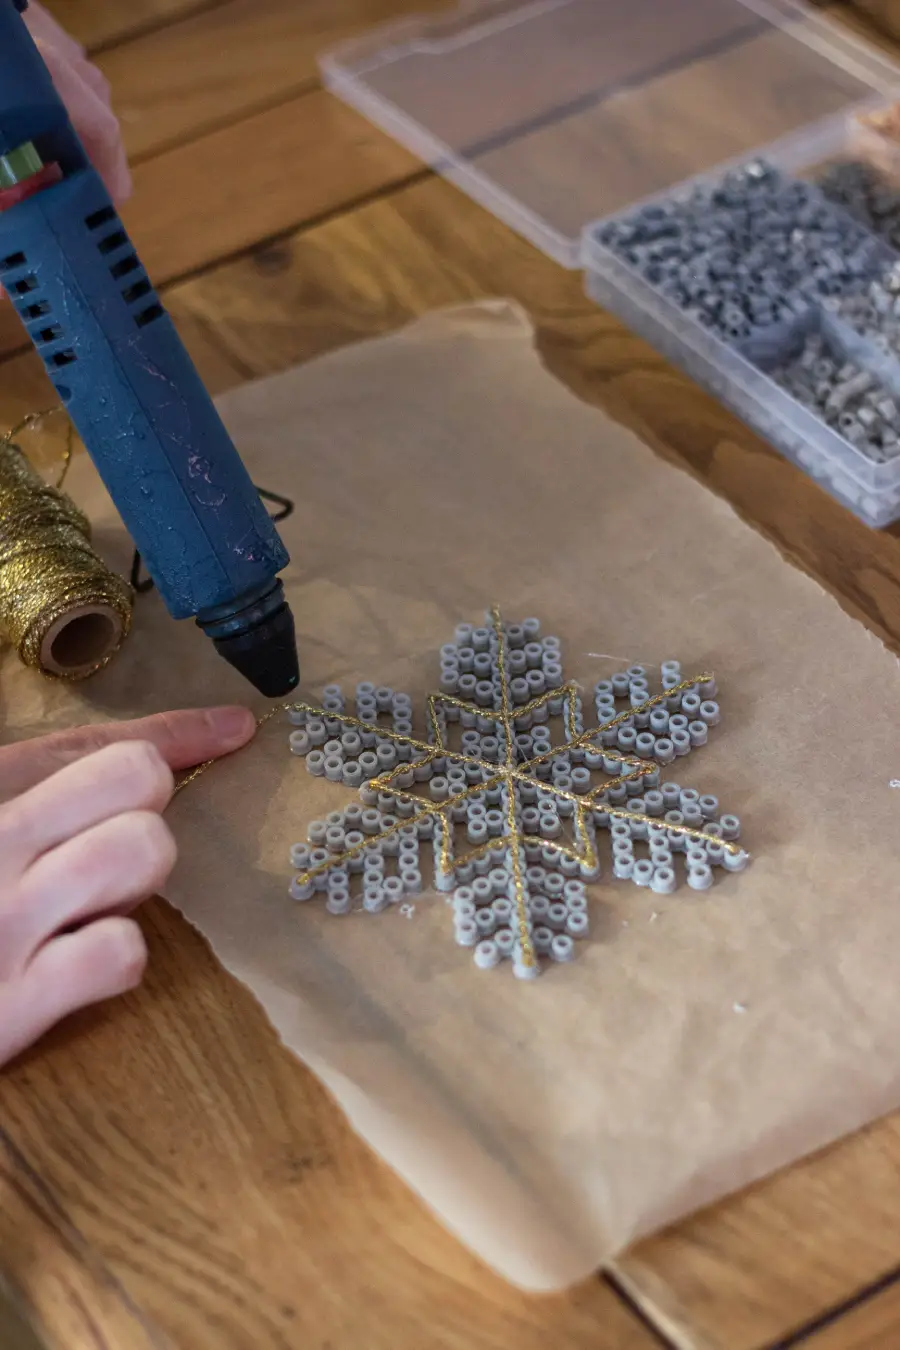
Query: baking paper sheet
x=699 y=1041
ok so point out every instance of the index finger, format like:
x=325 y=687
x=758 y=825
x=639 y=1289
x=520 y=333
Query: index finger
x=184 y=739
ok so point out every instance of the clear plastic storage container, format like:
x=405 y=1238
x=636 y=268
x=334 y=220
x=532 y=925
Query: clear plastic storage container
x=564 y=116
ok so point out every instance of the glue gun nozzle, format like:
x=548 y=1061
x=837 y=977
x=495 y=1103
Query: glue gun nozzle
x=261 y=644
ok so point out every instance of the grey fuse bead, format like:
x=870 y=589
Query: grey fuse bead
x=562 y=948
x=735 y=862
x=485 y=922
x=487 y=954
x=316 y=763
x=315 y=729
x=664 y=881
x=335 y=839
x=300 y=856
x=338 y=901
x=299 y=742
x=557 y=915
x=542 y=937
x=664 y=751
x=699 y=733
x=505 y=942
x=623 y=865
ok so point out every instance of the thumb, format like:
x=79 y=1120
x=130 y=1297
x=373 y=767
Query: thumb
x=182 y=738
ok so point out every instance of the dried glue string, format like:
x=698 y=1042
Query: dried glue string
x=510 y=774
x=62 y=609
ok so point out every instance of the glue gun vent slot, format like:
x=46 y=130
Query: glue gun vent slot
x=104 y=216
x=14 y=260
x=118 y=239
x=137 y=291
x=124 y=266
x=148 y=315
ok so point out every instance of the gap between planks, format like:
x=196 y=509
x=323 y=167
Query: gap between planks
x=675 y=1336
x=104 y=34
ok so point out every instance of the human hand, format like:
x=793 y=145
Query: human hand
x=86 y=95
x=82 y=843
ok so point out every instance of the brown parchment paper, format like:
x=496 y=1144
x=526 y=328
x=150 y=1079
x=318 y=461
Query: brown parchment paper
x=699 y=1041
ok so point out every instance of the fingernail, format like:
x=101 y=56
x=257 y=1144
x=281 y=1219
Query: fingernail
x=232 y=726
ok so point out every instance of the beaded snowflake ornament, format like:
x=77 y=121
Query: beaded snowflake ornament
x=508 y=791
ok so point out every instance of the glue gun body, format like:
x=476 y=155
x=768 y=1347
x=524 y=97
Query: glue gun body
x=127 y=382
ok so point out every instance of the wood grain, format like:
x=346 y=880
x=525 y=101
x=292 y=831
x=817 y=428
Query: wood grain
x=81 y=1305
x=227 y=62
x=224 y=1193
x=100 y=23
x=881 y=15
x=264 y=175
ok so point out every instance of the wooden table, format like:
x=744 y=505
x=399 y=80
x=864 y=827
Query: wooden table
x=168 y=1175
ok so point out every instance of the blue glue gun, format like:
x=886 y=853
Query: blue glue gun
x=127 y=382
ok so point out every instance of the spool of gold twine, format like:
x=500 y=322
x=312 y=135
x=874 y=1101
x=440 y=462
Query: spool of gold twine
x=63 y=610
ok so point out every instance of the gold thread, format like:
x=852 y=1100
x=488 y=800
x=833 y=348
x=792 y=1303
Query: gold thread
x=200 y=769
x=48 y=568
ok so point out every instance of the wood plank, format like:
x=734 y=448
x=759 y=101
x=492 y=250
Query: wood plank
x=99 y=23
x=779 y=1256
x=863 y=20
x=875 y=16
x=242 y=56
x=218 y=195
x=223 y=1192
x=265 y=175
x=82 y=1305
x=873 y=1325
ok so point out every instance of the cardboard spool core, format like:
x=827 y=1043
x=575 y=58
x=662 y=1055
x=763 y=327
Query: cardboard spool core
x=80 y=641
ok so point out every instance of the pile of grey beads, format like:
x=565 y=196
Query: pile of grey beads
x=874 y=313
x=748 y=251
x=846 y=397
x=865 y=193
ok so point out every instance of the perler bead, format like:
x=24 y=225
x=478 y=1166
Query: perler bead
x=506 y=794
